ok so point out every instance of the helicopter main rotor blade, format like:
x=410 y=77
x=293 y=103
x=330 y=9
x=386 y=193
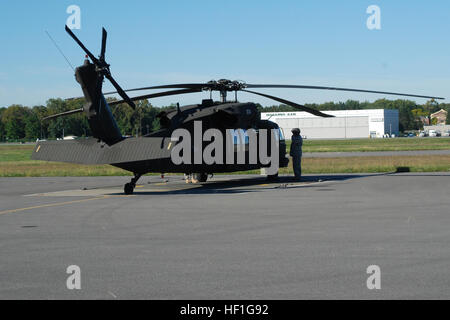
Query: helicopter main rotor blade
x=169 y=86
x=74 y=37
x=191 y=86
x=293 y=104
x=62 y=114
x=102 y=52
x=159 y=94
x=120 y=91
x=254 y=86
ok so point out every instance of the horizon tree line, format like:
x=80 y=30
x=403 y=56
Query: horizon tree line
x=22 y=123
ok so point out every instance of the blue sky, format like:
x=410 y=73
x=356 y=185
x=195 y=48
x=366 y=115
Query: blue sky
x=288 y=42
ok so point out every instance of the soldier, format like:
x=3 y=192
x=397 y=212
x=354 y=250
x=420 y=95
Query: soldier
x=296 y=152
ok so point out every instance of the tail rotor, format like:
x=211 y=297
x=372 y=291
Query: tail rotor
x=101 y=66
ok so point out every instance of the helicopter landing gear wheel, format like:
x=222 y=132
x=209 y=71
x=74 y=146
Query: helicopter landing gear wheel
x=272 y=177
x=129 y=187
x=200 y=177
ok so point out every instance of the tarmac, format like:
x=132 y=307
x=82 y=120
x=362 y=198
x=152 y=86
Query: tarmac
x=234 y=237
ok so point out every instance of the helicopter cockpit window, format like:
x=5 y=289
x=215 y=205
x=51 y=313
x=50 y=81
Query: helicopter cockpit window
x=281 y=133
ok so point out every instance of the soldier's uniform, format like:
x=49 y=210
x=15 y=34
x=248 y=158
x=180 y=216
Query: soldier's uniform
x=296 y=152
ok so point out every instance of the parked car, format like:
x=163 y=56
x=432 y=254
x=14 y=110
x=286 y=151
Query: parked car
x=423 y=134
x=432 y=133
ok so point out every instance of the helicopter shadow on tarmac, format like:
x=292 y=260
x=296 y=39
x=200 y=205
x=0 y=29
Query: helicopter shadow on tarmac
x=246 y=184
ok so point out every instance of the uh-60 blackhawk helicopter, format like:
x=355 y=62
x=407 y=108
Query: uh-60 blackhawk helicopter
x=152 y=152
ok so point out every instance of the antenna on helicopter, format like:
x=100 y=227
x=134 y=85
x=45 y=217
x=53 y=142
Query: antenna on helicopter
x=59 y=49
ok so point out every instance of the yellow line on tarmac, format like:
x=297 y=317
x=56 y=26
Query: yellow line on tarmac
x=52 y=205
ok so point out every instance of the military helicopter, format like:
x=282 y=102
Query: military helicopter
x=152 y=152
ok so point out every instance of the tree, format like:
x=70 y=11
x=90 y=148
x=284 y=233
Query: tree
x=41 y=112
x=19 y=122
x=58 y=125
x=446 y=107
x=149 y=117
x=13 y=119
x=124 y=118
x=144 y=115
x=407 y=120
x=156 y=125
x=32 y=126
x=430 y=107
x=76 y=124
x=419 y=112
x=352 y=105
x=2 y=126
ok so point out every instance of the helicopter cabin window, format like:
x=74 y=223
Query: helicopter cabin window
x=242 y=135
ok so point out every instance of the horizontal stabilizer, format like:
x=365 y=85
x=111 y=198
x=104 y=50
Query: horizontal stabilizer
x=90 y=151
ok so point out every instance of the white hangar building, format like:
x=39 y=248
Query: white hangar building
x=369 y=123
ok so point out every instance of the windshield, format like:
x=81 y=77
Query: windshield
x=281 y=133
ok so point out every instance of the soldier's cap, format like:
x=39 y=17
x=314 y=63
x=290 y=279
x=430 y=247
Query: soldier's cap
x=295 y=130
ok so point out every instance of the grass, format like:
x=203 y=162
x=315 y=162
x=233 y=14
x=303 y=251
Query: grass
x=433 y=163
x=439 y=163
x=15 y=160
x=15 y=152
x=56 y=169
x=365 y=145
